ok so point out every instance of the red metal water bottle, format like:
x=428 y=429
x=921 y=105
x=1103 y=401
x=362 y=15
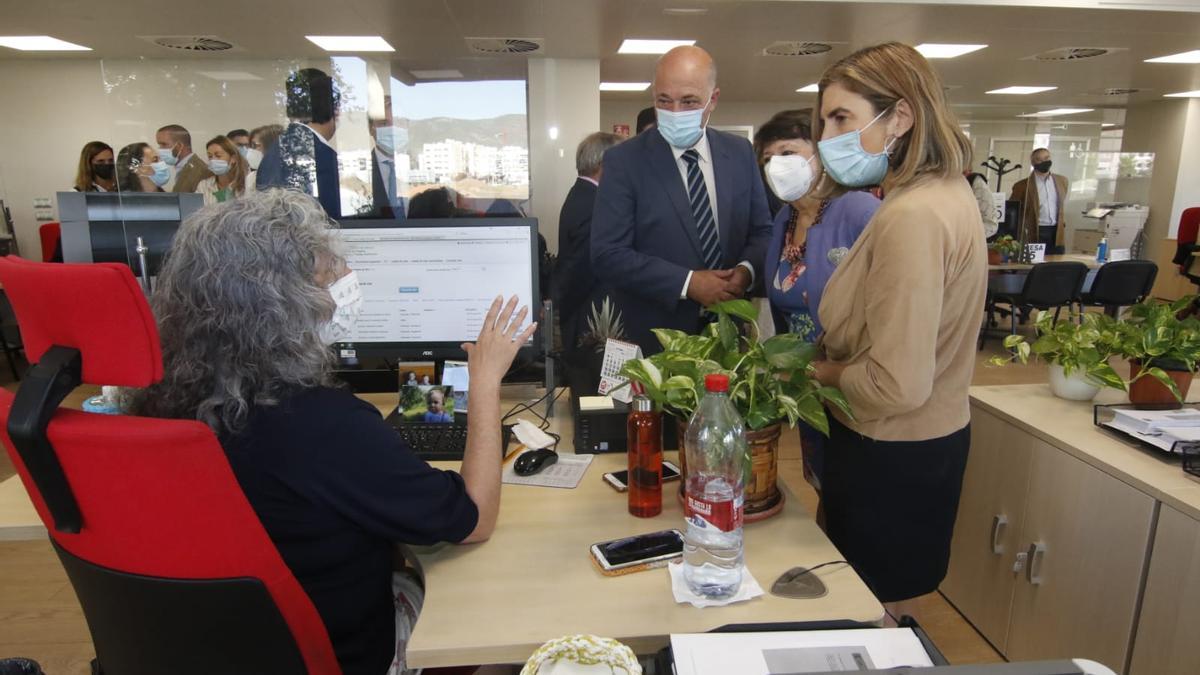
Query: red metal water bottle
x=645 y=459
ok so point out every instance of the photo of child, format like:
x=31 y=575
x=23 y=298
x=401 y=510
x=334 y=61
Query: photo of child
x=427 y=404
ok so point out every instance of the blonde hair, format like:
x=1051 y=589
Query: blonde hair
x=886 y=74
x=238 y=167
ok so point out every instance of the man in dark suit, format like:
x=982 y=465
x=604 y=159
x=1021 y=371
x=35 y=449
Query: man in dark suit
x=576 y=287
x=391 y=146
x=175 y=148
x=681 y=218
x=303 y=159
x=1043 y=198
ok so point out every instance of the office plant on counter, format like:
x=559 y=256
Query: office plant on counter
x=1078 y=353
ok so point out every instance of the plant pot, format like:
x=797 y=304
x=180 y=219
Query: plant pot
x=1073 y=387
x=993 y=257
x=763 y=497
x=1150 y=393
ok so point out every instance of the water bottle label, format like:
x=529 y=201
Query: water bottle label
x=725 y=516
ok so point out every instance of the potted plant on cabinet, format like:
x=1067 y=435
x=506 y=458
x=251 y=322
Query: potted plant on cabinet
x=1162 y=349
x=770 y=382
x=1003 y=249
x=583 y=360
x=1077 y=353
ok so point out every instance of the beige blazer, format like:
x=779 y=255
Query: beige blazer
x=188 y=176
x=1029 y=211
x=903 y=312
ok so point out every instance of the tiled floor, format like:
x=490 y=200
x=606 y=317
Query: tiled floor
x=40 y=617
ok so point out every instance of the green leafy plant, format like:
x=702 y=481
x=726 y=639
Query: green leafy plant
x=1083 y=347
x=1006 y=246
x=1154 y=335
x=769 y=381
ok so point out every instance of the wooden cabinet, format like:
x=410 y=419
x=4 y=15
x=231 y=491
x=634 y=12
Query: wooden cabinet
x=1085 y=537
x=991 y=513
x=1170 y=618
x=1048 y=552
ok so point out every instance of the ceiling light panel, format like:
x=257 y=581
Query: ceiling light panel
x=350 y=43
x=624 y=86
x=809 y=89
x=1183 y=57
x=1022 y=90
x=934 y=50
x=630 y=46
x=1185 y=94
x=40 y=43
x=1058 y=111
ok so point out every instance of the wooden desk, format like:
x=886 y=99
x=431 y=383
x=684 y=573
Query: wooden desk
x=1089 y=260
x=497 y=601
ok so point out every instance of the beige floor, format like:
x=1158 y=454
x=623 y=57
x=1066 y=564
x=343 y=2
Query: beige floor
x=41 y=619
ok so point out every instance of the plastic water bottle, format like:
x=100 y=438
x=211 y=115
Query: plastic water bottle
x=715 y=494
x=1102 y=250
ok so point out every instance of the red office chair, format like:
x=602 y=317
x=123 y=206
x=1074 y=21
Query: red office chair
x=51 y=236
x=173 y=569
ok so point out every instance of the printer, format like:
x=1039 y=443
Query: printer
x=1118 y=222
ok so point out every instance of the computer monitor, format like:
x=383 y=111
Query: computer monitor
x=427 y=284
x=105 y=226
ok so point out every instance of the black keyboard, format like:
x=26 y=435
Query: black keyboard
x=434 y=442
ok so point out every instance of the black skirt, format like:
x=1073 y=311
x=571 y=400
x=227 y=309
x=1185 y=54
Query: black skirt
x=890 y=507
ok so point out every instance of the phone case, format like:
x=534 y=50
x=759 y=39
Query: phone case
x=626 y=570
x=611 y=481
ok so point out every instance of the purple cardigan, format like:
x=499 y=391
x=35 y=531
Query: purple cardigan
x=845 y=219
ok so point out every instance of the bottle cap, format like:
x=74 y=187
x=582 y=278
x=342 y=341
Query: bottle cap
x=716 y=382
x=642 y=404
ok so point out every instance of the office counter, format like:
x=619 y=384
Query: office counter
x=1072 y=542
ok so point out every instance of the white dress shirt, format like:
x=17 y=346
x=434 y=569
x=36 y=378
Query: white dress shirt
x=1047 y=200
x=710 y=182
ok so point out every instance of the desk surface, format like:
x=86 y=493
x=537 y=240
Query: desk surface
x=1089 y=260
x=497 y=601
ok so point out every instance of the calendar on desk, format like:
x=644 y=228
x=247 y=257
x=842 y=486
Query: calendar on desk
x=616 y=353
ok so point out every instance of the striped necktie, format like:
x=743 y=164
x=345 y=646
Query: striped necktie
x=706 y=225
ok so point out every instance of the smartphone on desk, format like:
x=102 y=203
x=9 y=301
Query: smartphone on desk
x=619 y=480
x=637 y=553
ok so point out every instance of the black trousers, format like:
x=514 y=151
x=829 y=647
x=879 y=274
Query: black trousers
x=1048 y=236
x=890 y=507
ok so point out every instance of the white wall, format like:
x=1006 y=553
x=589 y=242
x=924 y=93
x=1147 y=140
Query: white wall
x=1160 y=127
x=1187 y=185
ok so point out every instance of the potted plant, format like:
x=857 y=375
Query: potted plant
x=1003 y=249
x=583 y=360
x=1162 y=349
x=1077 y=353
x=770 y=382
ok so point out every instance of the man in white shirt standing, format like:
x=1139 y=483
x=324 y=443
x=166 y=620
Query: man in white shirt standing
x=1043 y=197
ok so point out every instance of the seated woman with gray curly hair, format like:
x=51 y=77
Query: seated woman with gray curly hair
x=248 y=301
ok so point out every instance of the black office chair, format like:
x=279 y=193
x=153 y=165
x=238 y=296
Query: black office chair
x=1051 y=285
x=1119 y=284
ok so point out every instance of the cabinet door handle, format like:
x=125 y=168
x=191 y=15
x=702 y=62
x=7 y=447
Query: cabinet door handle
x=1033 y=571
x=999 y=521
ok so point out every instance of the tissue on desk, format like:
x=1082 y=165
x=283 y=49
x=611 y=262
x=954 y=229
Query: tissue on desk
x=530 y=436
x=748 y=590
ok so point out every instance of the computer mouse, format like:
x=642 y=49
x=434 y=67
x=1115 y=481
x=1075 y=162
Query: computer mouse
x=534 y=461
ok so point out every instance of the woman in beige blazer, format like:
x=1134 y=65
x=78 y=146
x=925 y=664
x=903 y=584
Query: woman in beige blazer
x=901 y=316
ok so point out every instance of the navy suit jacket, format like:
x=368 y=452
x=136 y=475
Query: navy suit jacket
x=644 y=237
x=575 y=285
x=300 y=161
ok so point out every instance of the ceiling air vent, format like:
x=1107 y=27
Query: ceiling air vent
x=1118 y=91
x=796 y=48
x=505 y=45
x=196 y=44
x=1073 y=53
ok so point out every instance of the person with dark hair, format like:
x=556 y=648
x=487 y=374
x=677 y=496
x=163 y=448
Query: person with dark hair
x=390 y=141
x=432 y=203
x=175 y=148
x=809 y=237
x=646 y=119
x=987 y=205
x=303 y=158
x=96 y=171
x=240 y=137
x=140 y=170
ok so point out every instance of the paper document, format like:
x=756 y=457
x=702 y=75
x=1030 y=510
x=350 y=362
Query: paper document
x=1164 y=438
x=795 y=652
x=565 y=473
x=1152 y=420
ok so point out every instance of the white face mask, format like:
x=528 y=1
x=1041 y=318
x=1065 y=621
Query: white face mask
x=790 y=176
x=348 y=295
x=253 y=158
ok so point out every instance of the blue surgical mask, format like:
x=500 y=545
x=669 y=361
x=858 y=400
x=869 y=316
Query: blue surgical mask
x=391 y=140
x=219 y=167
x=849 y=164
x=681 y=129
x=167 y=155
x=162 y=173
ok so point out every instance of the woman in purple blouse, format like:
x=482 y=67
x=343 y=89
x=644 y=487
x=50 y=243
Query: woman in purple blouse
x=810 y=237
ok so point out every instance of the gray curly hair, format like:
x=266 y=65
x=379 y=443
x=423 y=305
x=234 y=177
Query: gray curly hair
x=239 y=309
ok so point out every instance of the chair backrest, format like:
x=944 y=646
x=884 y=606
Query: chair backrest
x=1053 y=284
x=1123 y=282
x=1189 y=225
x=51 y=235
x=172 y=567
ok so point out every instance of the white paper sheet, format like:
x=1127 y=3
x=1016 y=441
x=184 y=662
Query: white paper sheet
x=797 y=652
x=565 y=473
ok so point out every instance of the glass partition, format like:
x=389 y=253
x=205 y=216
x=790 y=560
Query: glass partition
x=1113 y=182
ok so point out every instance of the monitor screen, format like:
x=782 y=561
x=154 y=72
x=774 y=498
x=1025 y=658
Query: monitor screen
x=428 y=284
